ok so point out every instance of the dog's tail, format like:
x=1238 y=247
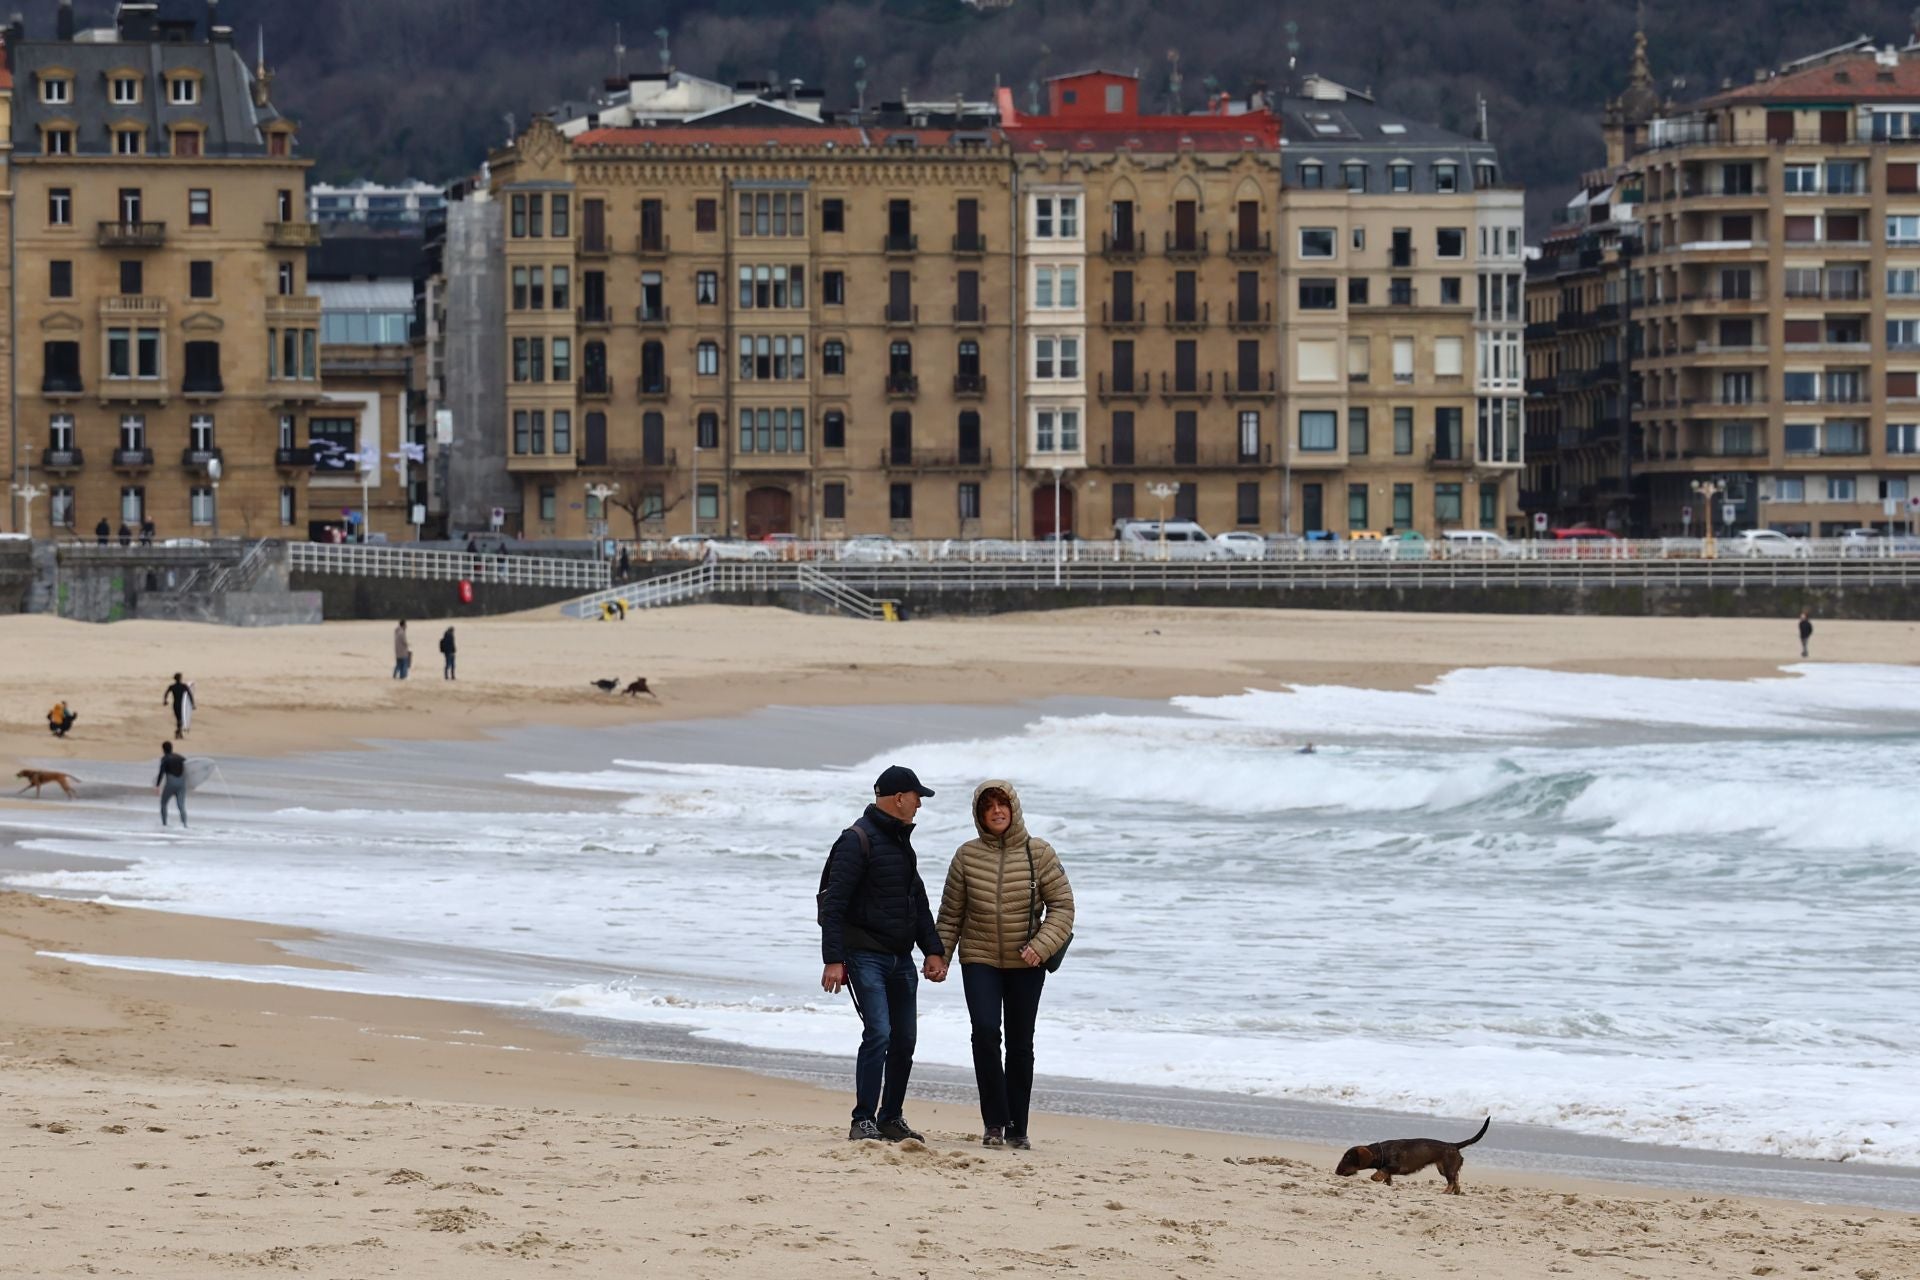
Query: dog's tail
x=1484 y=1125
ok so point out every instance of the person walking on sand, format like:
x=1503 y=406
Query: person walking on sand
x=1007 y=909
x=171 y=783
x=1806 y=632
x=180 y=693
x=402 y=652
x=873 y=910
x=446 y=649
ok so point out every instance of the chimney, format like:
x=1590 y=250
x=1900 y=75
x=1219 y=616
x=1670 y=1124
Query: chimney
x=63 y=21
x=221 y=34
x=213 y=17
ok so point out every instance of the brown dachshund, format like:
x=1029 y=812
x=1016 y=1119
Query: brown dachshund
x=1407 y=1156
x=38 y=778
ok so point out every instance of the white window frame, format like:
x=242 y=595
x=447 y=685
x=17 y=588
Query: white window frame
x=56 y=91
x=183 y=91
x=125 y=91
x=1332 y=243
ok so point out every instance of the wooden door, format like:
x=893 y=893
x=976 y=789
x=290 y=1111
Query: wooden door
x=769 y=510
x=596 y=455
x=1046 y=518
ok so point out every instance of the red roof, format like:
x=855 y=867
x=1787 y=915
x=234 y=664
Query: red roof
x=1848 y=79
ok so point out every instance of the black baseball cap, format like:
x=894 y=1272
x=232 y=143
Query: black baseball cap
x=896 y=778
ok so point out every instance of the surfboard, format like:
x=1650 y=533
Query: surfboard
x=198 y=771
x=186 y=710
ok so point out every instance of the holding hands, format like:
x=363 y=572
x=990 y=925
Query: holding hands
x=935 y=968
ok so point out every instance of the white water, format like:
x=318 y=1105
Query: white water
x=1663 y=911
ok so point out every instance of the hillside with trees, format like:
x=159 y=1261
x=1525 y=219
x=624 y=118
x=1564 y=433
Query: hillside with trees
x=395 y=88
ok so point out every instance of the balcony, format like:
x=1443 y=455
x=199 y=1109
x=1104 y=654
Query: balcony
x=132 y=459
x=62 y=460
x=1187 y=317
x=287 y=307
x=898 y=315
x=293 y=459
x=903 y=386
x=928 y=460
x=897 y=244
x=1198 y=386
x=595 y=246
x=969 y=384
x=197 y=459
x=133 y=235
x=1260 y=246
x=133 y=391
x=1255 y=317
x=1133 y=317
x=596 y=386
x=653 y=245
x=1191 y=245
x=1542 y=386
x=203 y=386
x=1138 y=386
x=1542 y=329
x=596 y=316
x=1401 y=257
x=658 y=387
x=1122 y=245
x=973 y=316
x=1257 y=387
x=969 y=246
x=292 y=235
x=56 y=386
x=653 y=317
x=1193 y=456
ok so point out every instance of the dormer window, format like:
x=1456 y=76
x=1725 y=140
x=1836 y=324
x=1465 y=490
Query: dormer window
x=183 y=91
x=125 y=91
x=56 y=90
x=128 y=142
x=1446 y=178
x=59 y=141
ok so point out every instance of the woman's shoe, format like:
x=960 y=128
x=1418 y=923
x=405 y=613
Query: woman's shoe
x=994 y=1138
x=1019 y=1142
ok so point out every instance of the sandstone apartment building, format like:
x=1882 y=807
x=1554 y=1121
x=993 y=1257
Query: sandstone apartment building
x=1298 y=315
x=1771 y=312
x=160 y=318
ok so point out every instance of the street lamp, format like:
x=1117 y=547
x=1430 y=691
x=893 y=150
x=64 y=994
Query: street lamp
x=1163 y=492
x=1708 y=489
x=1059 y=543
x=27 y=492
x=600 y=492
x=213 y=475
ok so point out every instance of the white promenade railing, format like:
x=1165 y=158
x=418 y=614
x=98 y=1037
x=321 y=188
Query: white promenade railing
x=376 y=561
x=864 y=589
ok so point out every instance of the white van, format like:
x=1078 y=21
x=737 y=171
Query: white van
x=1476 y=544
x=1176 y=540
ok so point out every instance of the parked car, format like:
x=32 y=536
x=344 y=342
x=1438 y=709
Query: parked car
x=688 y=546
x=1477 y=544
x=978 y=549
x=1175 y=540
x=1410 y=544
x=735 y=549
x=1871 y=542
x=1239 y=544
x=872 y=548
x=1584 y=542
x=1767 y=542
x=786 y=546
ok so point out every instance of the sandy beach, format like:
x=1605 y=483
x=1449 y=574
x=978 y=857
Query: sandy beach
x=167 y=1126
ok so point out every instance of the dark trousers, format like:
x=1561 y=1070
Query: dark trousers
x=1006 y=1092
x=174 y=789
x=448 y=673
x=886 y=989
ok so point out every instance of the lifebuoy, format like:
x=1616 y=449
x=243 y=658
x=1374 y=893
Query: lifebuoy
x=466 y=591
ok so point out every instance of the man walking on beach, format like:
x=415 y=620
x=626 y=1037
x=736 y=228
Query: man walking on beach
x=171 y=783
x=181 y=695
x=402 y=652
x=1806 y=632
x=873 y=909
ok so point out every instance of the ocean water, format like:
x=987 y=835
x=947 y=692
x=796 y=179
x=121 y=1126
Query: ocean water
x=1664 y=911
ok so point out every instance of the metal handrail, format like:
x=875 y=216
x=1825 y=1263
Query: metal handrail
x=373 y=561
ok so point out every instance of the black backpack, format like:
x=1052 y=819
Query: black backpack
x=820 y=898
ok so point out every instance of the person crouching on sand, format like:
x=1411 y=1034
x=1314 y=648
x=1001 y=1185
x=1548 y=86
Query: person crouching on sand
x=1006 y=910
x=873 y=909
x=171 y=783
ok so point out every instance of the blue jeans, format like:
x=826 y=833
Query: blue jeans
x=1006 y=1091
x=885 y=988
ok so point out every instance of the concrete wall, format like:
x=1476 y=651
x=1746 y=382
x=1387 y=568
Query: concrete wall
x=343 y=596
x=476 y=365
x=16 y=572
x=232 y=608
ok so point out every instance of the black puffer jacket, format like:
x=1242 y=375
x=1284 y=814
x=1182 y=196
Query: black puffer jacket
x=875 y=900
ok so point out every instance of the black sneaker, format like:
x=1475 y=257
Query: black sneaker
x=865 y=1131
x=994 y=1138
x=898 y=1130
x=1018 y=1141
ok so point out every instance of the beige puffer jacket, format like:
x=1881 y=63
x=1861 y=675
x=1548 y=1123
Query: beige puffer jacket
x=986 y=909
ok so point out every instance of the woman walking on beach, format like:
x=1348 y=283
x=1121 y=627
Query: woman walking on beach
x=446 y=647
x=1008 y=908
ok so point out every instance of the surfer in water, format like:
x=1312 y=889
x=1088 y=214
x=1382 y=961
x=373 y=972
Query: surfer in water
x=171 y=782
x=180 y=693
x=1306 y=750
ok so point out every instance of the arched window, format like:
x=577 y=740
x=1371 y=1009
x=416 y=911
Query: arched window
x=969 y=358
x=900 y=358
x=900 y=438
x=969 y=438
x=708 y=427
x=833 y=357
x=653 y=368
x=594 y=368
x=833 y=430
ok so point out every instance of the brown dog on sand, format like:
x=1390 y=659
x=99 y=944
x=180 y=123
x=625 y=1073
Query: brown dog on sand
x=639 y=687
x=1407 y=1156
x=38 y=778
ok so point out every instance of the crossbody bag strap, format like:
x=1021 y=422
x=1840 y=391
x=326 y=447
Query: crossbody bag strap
x=1033 y=895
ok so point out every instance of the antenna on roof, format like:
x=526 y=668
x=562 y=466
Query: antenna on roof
x=1173 y=82
x=860 y=85
x=619 y=52
x=1480 y=100
x=666 y=50
x=513 y=129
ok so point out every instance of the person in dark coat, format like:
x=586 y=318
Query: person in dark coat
x=126 y=535
x=146 y=531
x=1806 y=632
x=446 y=650
x=624 y=568
x=873 y=910
x=102 y=531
